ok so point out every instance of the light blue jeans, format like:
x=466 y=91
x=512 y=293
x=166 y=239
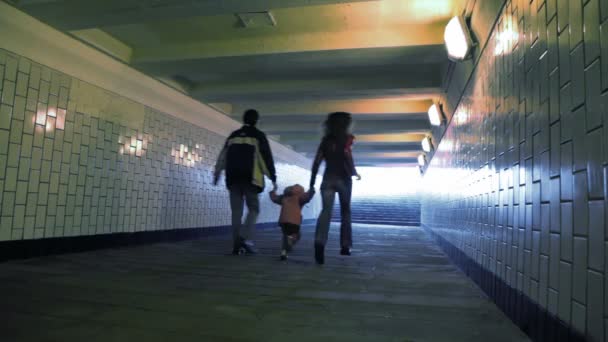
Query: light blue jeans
x=329 y=188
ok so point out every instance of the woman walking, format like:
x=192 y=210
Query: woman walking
x=336 y=150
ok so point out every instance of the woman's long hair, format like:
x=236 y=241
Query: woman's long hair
x=338 y=125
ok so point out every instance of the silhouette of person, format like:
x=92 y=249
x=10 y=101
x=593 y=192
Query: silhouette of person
x=247 y=158
x=336 y=150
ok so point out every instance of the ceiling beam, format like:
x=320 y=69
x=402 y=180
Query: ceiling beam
x=421 y=80
x=79 y=14
x=290 y=42
x=360 y=138
x=363 y=147
x=369 y=107
x=106 y=43
x=384 y=126
x=255 y=63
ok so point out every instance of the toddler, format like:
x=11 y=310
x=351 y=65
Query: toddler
x=292 y=200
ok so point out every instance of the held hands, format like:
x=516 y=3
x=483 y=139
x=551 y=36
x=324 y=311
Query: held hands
x=216 y=178
x=274 y=187
x=358 y=176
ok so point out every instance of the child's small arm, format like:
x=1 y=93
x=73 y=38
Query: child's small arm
x=276 y=198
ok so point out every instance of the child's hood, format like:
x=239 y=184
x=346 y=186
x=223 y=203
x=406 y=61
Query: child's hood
x=294 y=190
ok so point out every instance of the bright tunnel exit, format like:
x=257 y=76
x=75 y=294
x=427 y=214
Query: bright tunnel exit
x=387 y=182
x=385 y=196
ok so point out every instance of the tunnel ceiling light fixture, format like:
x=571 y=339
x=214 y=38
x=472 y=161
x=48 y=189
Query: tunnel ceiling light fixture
x=457 y=37
x=421 y=160
x=427 y=144
x=436 y=116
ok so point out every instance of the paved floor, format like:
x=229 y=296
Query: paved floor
x=397 y=286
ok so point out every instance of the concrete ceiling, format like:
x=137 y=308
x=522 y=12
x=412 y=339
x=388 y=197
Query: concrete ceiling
x=293 y=60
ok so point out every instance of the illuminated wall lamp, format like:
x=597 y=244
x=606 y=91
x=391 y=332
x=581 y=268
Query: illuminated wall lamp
x=436 y=116
x=457 y=37
x=421 y=160
x=427 y=144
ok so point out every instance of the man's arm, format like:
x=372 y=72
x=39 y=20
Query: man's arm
x=267 y=157
x=221 y=163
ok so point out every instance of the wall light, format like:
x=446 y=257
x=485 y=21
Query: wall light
x=427 y=145
x=458 y=39
x=421 y=160
x=436 y=116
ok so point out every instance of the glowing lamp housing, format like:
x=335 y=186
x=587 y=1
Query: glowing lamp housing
x=427 y=145
x=435 y=115
x=457 y=37
x=421 y=160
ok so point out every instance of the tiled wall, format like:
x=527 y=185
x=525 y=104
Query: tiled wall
x=79 y=160
x=520 y=180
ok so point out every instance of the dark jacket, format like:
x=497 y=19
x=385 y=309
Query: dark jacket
x=338 y=157
x=247 y=158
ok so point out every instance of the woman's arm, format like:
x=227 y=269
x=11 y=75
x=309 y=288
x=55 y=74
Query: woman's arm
x=316 y=164
x=349 y=158
x=307 y=196
x=351 y=164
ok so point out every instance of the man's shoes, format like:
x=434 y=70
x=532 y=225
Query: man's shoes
x=237 y=251
x=345 y=251
x=283 y=255
x=248 y=247
x=319 y=253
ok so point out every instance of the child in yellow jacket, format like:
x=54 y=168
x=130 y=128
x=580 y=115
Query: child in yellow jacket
x=292 y=200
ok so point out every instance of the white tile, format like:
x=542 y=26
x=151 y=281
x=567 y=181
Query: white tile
x=19 y=108
x=8 y=203
x=8 y=92
x=595 y=309
x=543 y=285
x=10 y=181
x=6 y=114
x=28 y=229
x=604 y=52
x=565 y=288
x=579 y=317
x=40 y=216
x=596 y=235
x=34 y=80
x=12 y=64
x=19 y=217
x=21 y=84
x=21 y=194
x=4 y=139
x=580 y=204
x=24 y=65
x=579 y=270
x=6 y=223
x=2 y=167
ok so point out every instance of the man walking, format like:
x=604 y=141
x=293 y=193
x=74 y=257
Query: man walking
x=247 y=158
